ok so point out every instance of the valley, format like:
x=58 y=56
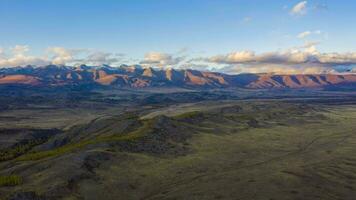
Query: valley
x=178 y=144
x=177 y=100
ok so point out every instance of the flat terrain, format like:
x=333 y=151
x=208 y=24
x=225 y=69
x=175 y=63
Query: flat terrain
x=187 y=148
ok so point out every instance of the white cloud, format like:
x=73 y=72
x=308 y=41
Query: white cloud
x=337 y=58
x=18 y=57
x=61 y=55
x=305 y=34
x=278 y=69
x=235 y=57
x=2 y=52
x=160 y=59
x=22 y=60
x=20 y=49
x=300 y=8
x=304 y=59
x=299 y=55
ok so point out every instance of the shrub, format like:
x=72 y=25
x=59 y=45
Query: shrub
x=147 y=125
x=11 y=180
x=19 y=149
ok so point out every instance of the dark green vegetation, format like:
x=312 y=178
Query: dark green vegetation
x=16 y=142
x=174 y=144
x=10 y=180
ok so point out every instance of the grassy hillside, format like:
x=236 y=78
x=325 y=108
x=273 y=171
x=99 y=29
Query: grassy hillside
x=213 y=150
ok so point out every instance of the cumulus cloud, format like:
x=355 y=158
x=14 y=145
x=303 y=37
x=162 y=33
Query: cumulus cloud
x=306 y=59
x=306 y=54
x=22 y=60
x=277 y=69
x=20 y=49
x=299 y=9
x=61 y=55
x=301 y=59
x=17 y=56
x=305 y=34
x=234 y=57
x=160 y=59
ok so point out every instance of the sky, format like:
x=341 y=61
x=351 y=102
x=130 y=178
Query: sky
x=232 y=36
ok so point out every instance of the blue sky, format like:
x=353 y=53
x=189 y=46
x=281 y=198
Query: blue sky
x=199 y=27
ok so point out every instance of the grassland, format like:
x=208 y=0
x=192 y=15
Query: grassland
x=11 y=180
x=214 y=149
x=79 y=145
x=305 y=160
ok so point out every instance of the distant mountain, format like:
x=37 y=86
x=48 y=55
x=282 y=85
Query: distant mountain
x=139 y=77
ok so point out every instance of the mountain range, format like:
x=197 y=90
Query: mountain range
x=137 y=76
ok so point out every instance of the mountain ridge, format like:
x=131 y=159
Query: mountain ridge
x=140 y=77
